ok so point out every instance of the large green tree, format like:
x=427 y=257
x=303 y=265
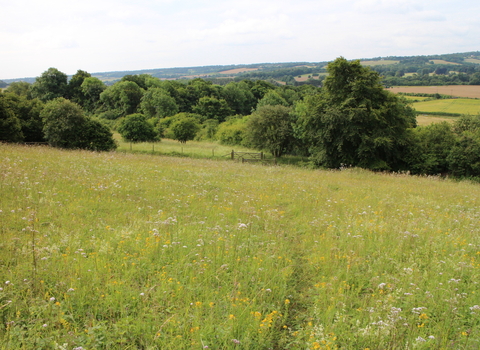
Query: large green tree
x=271 y=128
x=124 y=97
x=355 y=121
x=20 y=88
x=135 y=128
x=28 y=112
x=212 y=108
x=50 y=85
x=66 y=126
x=74 y=87
x=10 y=126
x=157 y=103
x=91 y=89
x=184 y=129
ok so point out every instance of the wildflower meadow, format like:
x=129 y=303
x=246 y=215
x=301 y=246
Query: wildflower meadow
x=124 y=251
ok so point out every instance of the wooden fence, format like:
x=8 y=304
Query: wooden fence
x=251 y=157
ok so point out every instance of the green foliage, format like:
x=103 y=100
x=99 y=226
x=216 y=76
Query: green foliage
x=431 y=146
x=272 y=98
x=50 y=85
x=271 y=128
x=208 y=131
x=135 y=128
x=156 y=102
x=124 y=96
x=212 y=108
x=20 y=88
x=28 y=112
x=139 y=79
x=97 y=136
x=233 y=131
x=239 y=97
x=74 y=88
x=354 y=121
x=184 y=129
x=464 y=158
x=66 y=126
x=10 y=126
x=91 y=89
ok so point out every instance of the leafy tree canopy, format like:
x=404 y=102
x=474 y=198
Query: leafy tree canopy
x=135 y=128
x=66 y=126
x=124 y=96
x=50 y=85
x=185 y=129
x=355 y=121
x=271 y=128
x=156 y=102
x=10 y=126
x=20 y=88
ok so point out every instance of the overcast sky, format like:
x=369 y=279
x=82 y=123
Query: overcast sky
x=112 y=35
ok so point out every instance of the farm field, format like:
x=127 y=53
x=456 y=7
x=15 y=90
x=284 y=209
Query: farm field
x=472 y=60
x=415 y=98
x=444 y=62
x=124 y=251
x=423 y=119
x=449 y=106
x=378 y=62
x=469 y=91
x=305 y=77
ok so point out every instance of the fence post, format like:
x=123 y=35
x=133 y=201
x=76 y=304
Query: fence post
x=261 y=155
x=233 y=154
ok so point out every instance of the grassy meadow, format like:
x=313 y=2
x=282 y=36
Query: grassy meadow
x=137 y=251
x=449 y=106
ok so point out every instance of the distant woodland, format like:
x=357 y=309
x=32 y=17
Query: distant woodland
x=446 y=69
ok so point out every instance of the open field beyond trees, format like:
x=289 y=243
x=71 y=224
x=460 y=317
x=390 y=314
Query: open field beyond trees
x=470 y=91
x=124 y=251
x=449 y=106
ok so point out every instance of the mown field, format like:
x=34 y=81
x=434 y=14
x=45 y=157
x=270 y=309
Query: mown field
x=124 y=251
x=469 y=91
x=449 y=106
x=379 y=62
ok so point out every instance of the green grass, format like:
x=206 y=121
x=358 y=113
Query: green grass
x=193 y=149
x=472 y=60
x=134 y=251
x=415 y=98
x=449 y=106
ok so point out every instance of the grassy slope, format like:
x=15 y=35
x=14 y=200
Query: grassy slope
x=140 y=251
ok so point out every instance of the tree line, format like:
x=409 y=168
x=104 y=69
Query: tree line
x=350 y=121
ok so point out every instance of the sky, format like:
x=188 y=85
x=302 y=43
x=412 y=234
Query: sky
x=117 y=35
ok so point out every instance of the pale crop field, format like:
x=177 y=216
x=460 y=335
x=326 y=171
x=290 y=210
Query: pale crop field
x=133 y=251
x=378 y=63
x=457 y=106
x=423 y=120
x=469 y=91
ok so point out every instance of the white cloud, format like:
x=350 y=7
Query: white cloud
x=105 y=35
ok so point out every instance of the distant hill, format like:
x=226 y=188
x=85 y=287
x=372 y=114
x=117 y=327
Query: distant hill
x=392 y=67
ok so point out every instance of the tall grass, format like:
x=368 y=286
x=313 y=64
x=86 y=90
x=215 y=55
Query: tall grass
x=123 y=251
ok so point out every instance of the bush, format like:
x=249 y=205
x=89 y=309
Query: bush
x=232 y=132
x=66 y=126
